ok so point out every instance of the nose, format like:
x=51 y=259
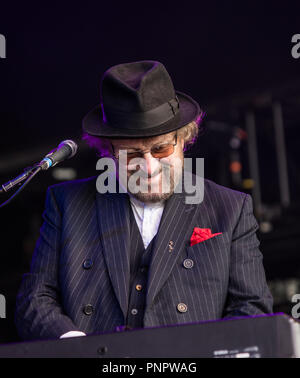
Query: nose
x=152 y=164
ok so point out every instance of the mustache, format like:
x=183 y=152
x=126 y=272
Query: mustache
x=145 y=175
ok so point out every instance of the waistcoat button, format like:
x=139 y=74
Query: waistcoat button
x=182 y=307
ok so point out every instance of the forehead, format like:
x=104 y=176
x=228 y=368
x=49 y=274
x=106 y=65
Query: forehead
x=139 y=143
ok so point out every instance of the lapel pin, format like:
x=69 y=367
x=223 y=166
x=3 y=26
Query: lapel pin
x=171 y=245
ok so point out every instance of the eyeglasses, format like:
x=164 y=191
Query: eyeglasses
x=157 y=151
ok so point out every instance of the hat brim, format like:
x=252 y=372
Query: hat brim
x=189 y=110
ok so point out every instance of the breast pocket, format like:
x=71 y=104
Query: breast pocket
x=208 y=263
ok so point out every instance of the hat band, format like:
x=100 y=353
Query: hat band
x=142 y=120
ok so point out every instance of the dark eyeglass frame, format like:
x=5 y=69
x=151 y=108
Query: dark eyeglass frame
x=140 y=152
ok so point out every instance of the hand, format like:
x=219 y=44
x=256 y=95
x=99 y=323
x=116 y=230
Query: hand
x=72 y=334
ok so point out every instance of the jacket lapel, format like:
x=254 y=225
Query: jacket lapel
x=114 y=227
x=175 y=230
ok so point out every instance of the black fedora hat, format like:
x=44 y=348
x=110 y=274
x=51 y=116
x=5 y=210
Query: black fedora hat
x=138 y=99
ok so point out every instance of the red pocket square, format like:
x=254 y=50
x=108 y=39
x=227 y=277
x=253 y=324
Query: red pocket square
x=201 y=234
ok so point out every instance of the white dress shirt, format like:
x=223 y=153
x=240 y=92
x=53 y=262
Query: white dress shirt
x=147 y=216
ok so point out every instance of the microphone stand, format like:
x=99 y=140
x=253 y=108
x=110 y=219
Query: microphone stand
x=65 y=150
x=27 y=175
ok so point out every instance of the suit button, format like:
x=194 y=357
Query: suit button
x=134 y=311
x=88 y=309
x=188 y=263
x=182 y=307
x=87 y=264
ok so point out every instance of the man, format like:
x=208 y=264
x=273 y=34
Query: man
x=144 y=256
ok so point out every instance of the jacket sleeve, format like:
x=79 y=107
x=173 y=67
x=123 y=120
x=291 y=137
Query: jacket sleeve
x=39 y=314
x=248 y=293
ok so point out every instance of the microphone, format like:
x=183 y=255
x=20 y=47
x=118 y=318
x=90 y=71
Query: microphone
x=65 y=150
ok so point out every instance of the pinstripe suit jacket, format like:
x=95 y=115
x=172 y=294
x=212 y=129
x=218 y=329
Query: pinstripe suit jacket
x=227 y=278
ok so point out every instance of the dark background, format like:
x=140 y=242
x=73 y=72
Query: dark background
x=230 y=58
